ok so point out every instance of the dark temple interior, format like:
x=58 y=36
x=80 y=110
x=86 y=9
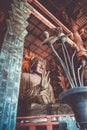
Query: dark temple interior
x=18 y=51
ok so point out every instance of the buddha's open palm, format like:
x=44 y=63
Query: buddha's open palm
x=45 y=80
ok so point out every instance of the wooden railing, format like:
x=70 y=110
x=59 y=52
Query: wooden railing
x=31 y=122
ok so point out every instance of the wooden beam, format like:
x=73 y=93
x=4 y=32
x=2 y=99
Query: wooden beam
x=48 y=24
x=43 y=9
x=41 y=17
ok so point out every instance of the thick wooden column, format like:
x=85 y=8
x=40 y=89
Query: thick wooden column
x=10 y=64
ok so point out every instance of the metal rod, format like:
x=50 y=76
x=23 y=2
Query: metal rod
x=66 y=62
x=79 y=78
x=73 y=69
x=63 y=65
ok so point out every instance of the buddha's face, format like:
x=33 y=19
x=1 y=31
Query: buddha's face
x=41 y=67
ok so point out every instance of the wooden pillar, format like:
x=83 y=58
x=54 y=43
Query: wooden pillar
x=49 y=125
x=32 y=127
x=10 y=64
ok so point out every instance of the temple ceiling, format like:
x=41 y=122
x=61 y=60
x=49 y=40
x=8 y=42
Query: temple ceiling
x=45 y=16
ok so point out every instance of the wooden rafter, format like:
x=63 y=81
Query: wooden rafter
x=42 y=8
x=49 y=24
